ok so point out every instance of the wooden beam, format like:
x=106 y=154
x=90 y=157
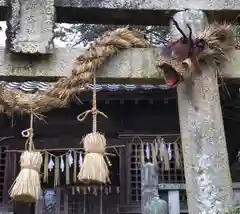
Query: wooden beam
x=206 y=165
x=130 y=66
x=57 y=142
x=173 y=202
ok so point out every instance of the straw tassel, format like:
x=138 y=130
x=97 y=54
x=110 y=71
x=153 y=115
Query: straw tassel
x=74 y=166
x=166 y=158
x=161 y=148
x=57 y=172
x=154 y=158
x=142 y=153
x=177 y=155
x=94 y=168
x=27 y=186
x=45 y=171
x=67 y=171
x=163 y=153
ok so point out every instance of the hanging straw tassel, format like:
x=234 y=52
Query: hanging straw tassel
x=45 y=171
x=142 y=153
x=154 y=157
x=177 y=155
x=56 y=172
x=166 y=159
x=27 y=186
x=161 y=148
x=67 y=171
x=163 y=153
x=94 y=168
x=74 y=166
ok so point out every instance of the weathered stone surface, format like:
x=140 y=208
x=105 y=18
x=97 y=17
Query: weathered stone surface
x=149 y=4
x=143 y=12
x=3 y=3
x=58 y=64
x=30 y=26
x=150 y=201
x=154 y=4
x=137 y=64
x=174 y=186
x=181 y=186
x=209 y=186
x=208 y=180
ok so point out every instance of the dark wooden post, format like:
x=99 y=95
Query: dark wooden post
x=208 y=181
x=30 y=26
x=150 y=201
x=21 y=207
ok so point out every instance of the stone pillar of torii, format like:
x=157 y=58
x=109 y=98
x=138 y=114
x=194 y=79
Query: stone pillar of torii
x=206 y=165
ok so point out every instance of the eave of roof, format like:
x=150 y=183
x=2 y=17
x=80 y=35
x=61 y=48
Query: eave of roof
x=34 y=86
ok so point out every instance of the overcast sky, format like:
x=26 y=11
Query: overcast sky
x=2 y=33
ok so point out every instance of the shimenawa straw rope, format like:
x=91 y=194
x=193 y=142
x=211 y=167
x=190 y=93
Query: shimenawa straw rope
x=220 y=44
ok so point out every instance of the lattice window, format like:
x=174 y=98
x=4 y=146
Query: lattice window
x=83 y=199
x=135 y=172
x=80 y=200
x=76 y=203
x=173 y=175
x=90 y=203
x=103 y=199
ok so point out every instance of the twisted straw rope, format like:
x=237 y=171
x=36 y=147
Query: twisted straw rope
x=28 y=133
x=219 y=37
x=81 y=117
x=64 y=90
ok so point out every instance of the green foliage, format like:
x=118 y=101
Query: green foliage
x=238 y=36
x=235 y=211
x=85 y=33
x=76 y=34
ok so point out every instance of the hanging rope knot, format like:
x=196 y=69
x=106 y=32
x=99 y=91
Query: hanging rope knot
x=96 y=152
x=81 y=117
x=94 y=110
x=29 y=166
x=27 y=133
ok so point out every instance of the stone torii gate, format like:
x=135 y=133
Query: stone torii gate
x=30 y=55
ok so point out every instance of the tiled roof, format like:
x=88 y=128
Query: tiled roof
x=33 y=86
